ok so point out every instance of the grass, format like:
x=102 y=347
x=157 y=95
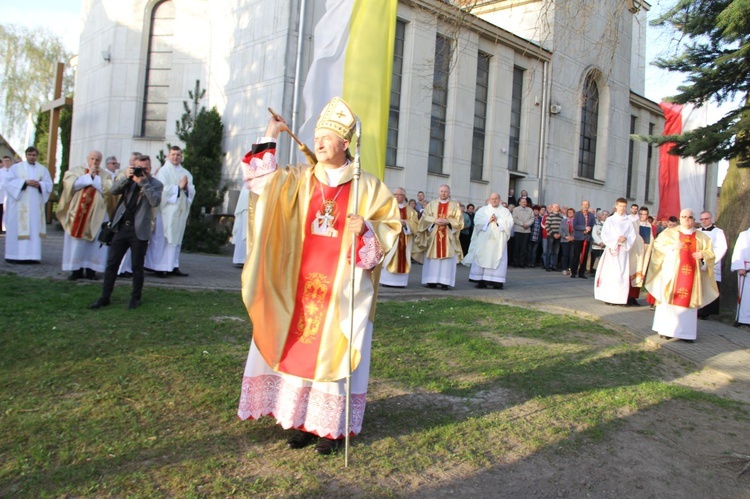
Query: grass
x=143 y=403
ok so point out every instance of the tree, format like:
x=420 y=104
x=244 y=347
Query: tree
x=202 y=132
x=27 y=73
x=714 y=53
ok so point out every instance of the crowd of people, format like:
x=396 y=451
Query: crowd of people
x=319 y=234
x=144 y=208
x=623 y=251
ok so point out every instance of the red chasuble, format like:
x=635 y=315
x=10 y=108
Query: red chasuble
x=442 y=232
x=320 y=257
x=81 y=220
x=683 y=288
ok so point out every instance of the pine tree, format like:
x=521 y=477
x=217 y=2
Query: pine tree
x=715 y=56
x=202 y=132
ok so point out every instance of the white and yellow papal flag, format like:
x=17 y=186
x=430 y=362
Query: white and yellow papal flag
x=353 y=59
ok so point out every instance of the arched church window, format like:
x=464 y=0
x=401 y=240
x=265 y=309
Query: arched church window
x=158 y=67
x=589 y=127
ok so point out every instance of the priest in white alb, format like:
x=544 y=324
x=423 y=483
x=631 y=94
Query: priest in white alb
x=239 y=228
x=681 y=278
x=439 y=231
x=81 y=210
x=296 y=283
x=612 y=280
x=741 y=265
x=27 y=190
x=163 y=256
x=488 y=252
x=397 y=263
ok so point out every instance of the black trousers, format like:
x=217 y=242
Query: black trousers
x=579 y=256
x=521 y=247
x=125 y=239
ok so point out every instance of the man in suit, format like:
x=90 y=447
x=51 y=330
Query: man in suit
x=132 y=224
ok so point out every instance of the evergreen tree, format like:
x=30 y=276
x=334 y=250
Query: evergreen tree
x=715 y=56
x=202 y=132
x=41 y=135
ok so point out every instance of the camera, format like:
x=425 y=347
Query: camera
x=139 y=171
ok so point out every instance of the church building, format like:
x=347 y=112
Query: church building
x=486 y=95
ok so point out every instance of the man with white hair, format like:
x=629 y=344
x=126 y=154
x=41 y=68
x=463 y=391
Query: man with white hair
x=681 y=279
x=439 y=230
x=488 y=252
x=81 y=210
x=397 y=262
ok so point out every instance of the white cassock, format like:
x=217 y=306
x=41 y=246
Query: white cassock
x=5 y=176
x=719 y=245
x=163 y=253
x=239 y=230
x=488 y=252
x=25 y=218
x=80 y=253
x=612 y=281
x=741 y=261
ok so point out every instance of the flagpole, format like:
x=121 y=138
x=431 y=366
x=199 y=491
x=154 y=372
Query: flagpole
x=353 y=258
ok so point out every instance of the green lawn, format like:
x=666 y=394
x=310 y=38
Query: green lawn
x=143 y=403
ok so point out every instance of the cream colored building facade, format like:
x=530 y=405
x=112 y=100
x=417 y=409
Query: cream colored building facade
x=508 y=111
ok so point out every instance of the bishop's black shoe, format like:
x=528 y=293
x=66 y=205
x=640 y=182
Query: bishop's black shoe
x=179 y=273
x=300 y=439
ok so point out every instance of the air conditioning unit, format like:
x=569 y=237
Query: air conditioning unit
x=555 y=108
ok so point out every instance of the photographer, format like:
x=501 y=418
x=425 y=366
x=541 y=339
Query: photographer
x=132 y=225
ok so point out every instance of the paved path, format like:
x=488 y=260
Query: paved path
x=719 y=346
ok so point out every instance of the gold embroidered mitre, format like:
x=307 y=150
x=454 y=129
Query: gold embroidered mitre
x=337 y=117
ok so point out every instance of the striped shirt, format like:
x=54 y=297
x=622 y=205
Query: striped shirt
x=554 y=220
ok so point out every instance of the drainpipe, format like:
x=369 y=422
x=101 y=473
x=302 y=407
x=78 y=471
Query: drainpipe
x=541 y=170
x=297 y=76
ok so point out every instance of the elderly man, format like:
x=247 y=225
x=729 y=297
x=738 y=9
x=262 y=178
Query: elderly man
x=397 y=263
x=132 y=224
x=163 y=255
x=612 y=279
x=583 y=224
x=719 y=245
x=488 y=253
x=681 y=279
x=741 y=265
x=439 y=230
x=296 y=283
x=27 y=190
x=81 y=210
x=523 y=219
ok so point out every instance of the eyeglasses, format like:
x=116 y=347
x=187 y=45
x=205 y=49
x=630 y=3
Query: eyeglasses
x=687 y=216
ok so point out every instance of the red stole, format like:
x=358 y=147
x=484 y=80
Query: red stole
x=683 y=287
x=442 y=232
x=317 y=273
x=83 y=211
x=401 y=251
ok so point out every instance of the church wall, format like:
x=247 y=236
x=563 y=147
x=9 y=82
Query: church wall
x=247 y=66
x=577 y=53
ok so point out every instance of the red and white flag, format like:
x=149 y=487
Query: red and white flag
x=682 y=181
